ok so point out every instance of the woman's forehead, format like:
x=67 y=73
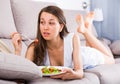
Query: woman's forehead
x=47 y=16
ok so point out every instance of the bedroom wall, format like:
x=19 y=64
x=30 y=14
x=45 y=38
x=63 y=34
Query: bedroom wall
x=68 y=4
x=110 y=27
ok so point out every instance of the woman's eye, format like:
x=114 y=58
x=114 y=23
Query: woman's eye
x=51 y=23
x=41 y=22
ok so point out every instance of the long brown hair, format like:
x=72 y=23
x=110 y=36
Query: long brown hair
x=40 y=48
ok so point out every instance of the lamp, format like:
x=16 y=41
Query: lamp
x=98 y=14
x=84 y=5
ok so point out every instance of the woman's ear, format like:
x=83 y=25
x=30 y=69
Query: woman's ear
x=61 y=27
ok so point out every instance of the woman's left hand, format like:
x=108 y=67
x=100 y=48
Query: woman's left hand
x=68 y=73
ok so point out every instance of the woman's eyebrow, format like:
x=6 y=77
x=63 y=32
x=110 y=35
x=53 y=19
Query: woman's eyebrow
x=48 y=20
x=52 y=19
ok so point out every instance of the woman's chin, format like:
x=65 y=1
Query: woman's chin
x=46 y=38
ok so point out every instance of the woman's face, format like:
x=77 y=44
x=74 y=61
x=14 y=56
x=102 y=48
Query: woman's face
x=49 y=26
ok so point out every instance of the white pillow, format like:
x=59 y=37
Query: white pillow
x=26 y=16
x=16 y=67
x=7 y=26
x=105 y=40
x=115 y=47
x=10 y=46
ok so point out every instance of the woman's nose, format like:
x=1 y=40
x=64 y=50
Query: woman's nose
x=46 y=26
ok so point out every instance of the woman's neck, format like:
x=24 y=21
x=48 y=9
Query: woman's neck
x=55 y=44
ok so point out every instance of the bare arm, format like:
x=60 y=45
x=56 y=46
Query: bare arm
x=17 y=42
x=77 y=59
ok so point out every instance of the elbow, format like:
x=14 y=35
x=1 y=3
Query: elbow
x=81 y=75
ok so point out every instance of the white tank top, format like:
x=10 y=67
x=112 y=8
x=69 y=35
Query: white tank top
x=90 y=56
x=68 y=49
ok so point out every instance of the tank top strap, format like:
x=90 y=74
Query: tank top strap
x=68 y=50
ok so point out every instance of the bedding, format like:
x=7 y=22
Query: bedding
x=16 y=67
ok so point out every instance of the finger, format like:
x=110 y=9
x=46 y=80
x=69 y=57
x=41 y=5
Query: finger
x=13 y=34
x=67 y=70
x=17 y=37
x=56 y=76
x=67 y=76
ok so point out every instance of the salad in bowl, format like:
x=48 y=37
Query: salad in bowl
x=51 y=70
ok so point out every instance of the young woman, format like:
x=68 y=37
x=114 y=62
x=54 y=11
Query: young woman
x=57 y=47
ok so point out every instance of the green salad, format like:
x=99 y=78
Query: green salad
x=50 y=70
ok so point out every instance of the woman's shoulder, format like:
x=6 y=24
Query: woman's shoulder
x=69 y=35
x=32 y=45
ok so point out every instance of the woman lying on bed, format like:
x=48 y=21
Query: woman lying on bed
x=57 y=47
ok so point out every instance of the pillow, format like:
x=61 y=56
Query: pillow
x=10 y=46
x=16 y=67
x=105 y=40
x=7 y=25
x=26 y=15
x=7 y=82
x=115 y=47
x=72 y=24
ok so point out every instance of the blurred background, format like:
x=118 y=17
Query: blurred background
x=107 y=19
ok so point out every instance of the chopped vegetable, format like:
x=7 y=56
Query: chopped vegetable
x=50 y=70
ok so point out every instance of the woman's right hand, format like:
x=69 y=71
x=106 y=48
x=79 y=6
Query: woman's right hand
x=17 y=42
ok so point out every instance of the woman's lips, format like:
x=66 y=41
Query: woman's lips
x=46 y=34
